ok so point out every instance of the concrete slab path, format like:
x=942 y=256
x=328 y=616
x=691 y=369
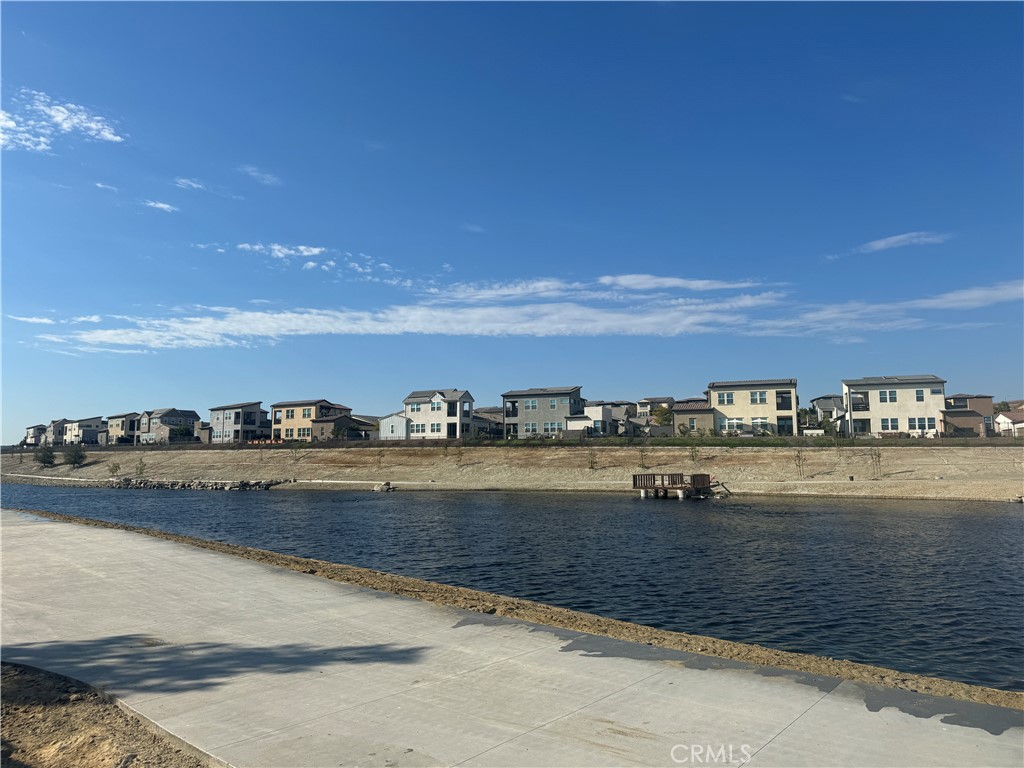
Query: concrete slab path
x=261 y=666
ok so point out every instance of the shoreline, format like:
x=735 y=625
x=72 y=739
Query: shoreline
x=540 y=613
x=923 y=472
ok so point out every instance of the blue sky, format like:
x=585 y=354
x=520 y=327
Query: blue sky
x=208 y=203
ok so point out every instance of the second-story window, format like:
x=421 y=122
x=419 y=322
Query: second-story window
x=414 y=408
x=553 y=403
x=919 y=395
x=529 y=405
x=887 y=396
x=435 y=405
x=289 y=413
x=725 y=398
x=307 y=413
x=759 y=397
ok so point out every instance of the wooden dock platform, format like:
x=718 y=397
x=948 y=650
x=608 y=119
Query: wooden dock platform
x=676 y=485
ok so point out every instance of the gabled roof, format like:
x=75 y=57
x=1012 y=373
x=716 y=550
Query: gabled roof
x=123 y=415
x=923 y=378
x=236 y=405
x=541 y=391
x=752 y=383
x=1015 y=417
x=655 y=399
x=425 y=395
x=291 y=403
x=87 y=418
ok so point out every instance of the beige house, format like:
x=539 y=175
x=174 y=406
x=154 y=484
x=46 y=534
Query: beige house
x=879 y=405
x=55 y=432
x=292 y=420
x=84 y=431
x=757 y=406
x=122 y=427
x=439 y=413
x=1010 y=424
x=645 y=407
x=693 y=416
x=35 y=435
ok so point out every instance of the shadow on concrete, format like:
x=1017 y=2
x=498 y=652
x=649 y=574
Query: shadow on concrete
x=145 y=664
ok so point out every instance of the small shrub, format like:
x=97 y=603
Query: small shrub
x=115 y=469
x=74 y=456
x=44 y=455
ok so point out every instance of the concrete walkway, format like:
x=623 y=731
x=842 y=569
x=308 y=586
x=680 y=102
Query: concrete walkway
x=260 y=666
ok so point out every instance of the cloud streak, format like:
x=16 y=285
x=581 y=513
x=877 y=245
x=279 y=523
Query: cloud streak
x=263 y=177
x=165 y=207
x=901 y=241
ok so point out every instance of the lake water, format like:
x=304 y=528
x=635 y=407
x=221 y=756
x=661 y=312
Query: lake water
x=935 y=588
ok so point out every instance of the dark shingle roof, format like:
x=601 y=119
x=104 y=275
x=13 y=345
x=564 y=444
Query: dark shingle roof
x=423 y=395
x=235 y=405
x=752 y=382
x=313 y=401
x=541 y=391
x=692 y=404
x=923 y=378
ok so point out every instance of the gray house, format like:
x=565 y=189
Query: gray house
x=239 y=423
x=156 y=426
x=543 y=411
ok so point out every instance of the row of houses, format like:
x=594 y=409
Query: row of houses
x=873 y=406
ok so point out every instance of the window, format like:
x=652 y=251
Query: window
x=693 y=424
x=289 y=413
x=530 y=426
x=887 y=396
x=553 y=403
x=730 y=425
x=305 y=432
x=307 y=413
x=552 y=426
x=760 y=424
x=937 y=391
x=415 y=429
x=391 y=428
x=289 y=433
x=414 y=407
x=435 y=426
x=919 y=395
x=436 y=405
x=758 y=398
x=529 y=405
x=725 y=398
x=891 y=425
x=931 y=422
x=563 y=400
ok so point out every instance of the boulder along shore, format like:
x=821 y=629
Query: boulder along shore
x=983 y=473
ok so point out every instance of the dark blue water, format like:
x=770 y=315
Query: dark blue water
x=935 y=588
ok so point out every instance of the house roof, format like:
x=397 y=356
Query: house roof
x=423 y=395
x=235 y=405
x=285 y=403
x=36 y=426
x=541 y=391
x=122 y=415
x=1015 y=417
x=962 y=412
x=752 y=382
x=826 y=397
x=923 y=378
x=656 y=399
x=970 y=397
x=691 y=404
x=87 y=418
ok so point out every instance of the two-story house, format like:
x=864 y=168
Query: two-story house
x=292 y=420
x=239 y=423
x=84 y=431
x=55 y=432
x=757 y=406
x=595 y=421
x=165 y=425
x=122 y=427
x=693 y=416
x=542 y=411
x=877 y=405
x=35 y=435
x=829 y=408
x=645 y=407
x=439 y=413
x=968 y=416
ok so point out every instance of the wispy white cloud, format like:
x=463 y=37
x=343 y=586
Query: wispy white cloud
x=654 y=282
x=166 y=207
x=87 y=319
x=36 y=121
x=971 y=298
x=36 y=320
x=263 y=177
x=476 y=229
x=189 y=183
x=900 y=241
x=278 y=251
x=101 y=185
x=309 y=265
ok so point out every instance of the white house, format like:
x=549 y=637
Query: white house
x=439 y=413
x=595 y=421
x=83 y=431
x=1010 y=424
x=878 y=405
x=394 y=427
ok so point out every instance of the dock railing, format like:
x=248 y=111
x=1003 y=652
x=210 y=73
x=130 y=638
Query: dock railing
x=675 y=480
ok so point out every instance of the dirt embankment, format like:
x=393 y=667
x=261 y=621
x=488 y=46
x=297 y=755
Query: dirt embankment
x=925 y=472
